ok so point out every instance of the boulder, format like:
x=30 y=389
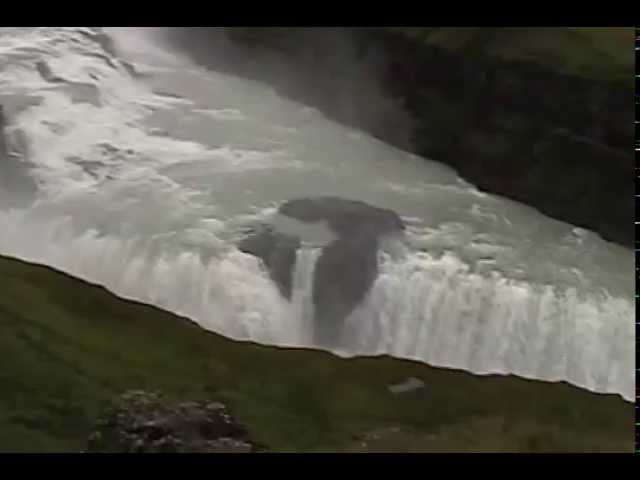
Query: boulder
x=145 y=422
x=344 y=217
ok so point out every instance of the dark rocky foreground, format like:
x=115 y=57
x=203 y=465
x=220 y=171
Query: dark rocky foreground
x=347 y=266
x=557 y=141
x=144 y=422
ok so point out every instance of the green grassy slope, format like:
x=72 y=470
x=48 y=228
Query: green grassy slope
x=67 y=348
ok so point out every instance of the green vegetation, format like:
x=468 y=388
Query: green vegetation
x=593 y=52
x=68 y=347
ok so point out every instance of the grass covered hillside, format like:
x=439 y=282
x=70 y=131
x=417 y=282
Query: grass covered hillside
x=68 y=348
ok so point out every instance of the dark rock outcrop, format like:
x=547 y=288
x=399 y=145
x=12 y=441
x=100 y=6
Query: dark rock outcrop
x=277 y=251
x=144 y=422
x=344 y=217
x=347 y=266
x=344 y=273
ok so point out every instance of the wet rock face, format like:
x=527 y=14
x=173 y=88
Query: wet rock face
x=278 y=253
x=345 y=217
x=347 y=266
x=144 y=422
x=344 y=274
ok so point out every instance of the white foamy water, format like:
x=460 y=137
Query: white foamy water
x=145 y=184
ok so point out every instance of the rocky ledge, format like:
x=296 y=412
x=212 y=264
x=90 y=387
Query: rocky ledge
x=347 y=266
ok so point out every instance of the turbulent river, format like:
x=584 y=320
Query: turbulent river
x=145 y=183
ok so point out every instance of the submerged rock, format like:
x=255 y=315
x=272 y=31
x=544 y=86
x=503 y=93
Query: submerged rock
x=278 y=253
x=344 y=217
x=144 y=422
x=347 y=266
x=344 y=273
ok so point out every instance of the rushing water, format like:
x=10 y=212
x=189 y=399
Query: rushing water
x=145 y=183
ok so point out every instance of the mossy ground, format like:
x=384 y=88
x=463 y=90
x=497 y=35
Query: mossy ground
x=68 y=347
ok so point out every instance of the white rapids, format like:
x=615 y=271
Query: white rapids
x=145 y=183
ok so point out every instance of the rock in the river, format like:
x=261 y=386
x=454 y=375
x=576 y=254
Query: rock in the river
x=16 y=186
x=344 y=273
x=277 y=251
x=144 y=422
x=344 y=217
x=347 y=266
